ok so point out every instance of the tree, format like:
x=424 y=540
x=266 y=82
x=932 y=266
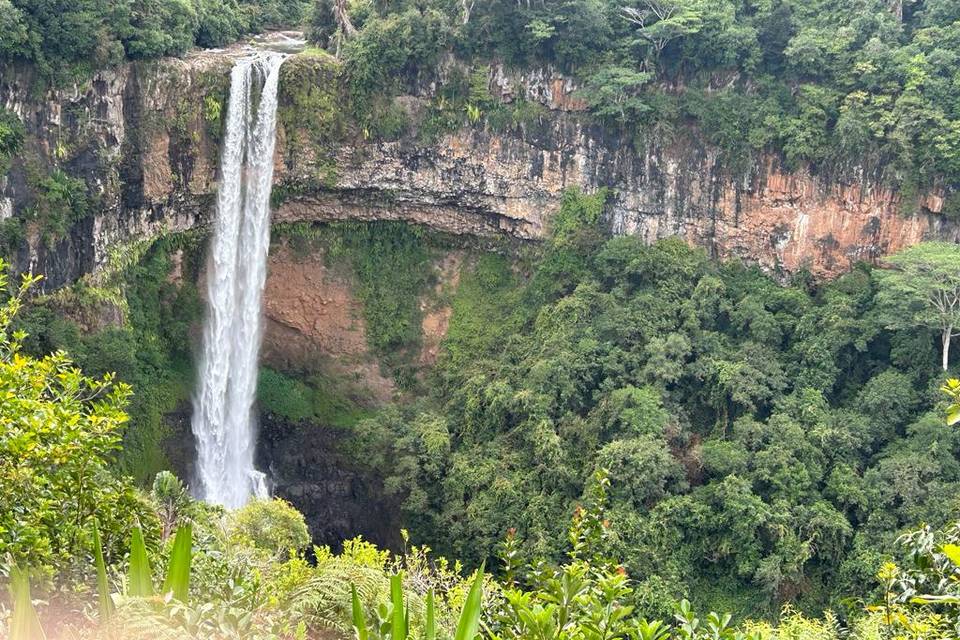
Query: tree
x=161 y=28
x=660 y=21
x=323 y=22
x=923 y=290
x=614 y=93
x=467 y=6
x=15 y=35
x=272 y=525
x=60 y=429
x=345 y=26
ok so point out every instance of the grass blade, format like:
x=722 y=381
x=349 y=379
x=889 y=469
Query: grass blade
x=469 y=623
x=430 y=626
x=359 y=621
x=140 y=580
x=103 y=590
x=178 y=572
x=25 y=624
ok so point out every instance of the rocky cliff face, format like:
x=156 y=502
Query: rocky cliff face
x=143 y=137
x=137 y=138
x=482 y=181
x=340 y=501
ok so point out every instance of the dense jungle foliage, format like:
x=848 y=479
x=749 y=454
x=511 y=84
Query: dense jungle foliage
x=765 y=443
x=69 y=38
x=761 y=444
x=85 y=538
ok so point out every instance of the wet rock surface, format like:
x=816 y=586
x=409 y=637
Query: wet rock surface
x=308 y=467
x=339 y=500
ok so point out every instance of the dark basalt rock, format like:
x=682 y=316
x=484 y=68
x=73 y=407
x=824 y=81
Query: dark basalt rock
x=339 y=499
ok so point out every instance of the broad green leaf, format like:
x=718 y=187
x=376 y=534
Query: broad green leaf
x=103 y=590
x=178 y=572
x=25 y=624
x=140 y=580
x=935 y=599
x=397 y=623
x=953 y=415
x=469 y=623
x=359 y=621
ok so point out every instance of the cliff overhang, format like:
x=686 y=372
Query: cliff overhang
x=144 y=139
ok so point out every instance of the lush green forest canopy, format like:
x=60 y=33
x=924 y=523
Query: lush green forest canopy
x=709 y=433
x=764 y=442
x=74 y=37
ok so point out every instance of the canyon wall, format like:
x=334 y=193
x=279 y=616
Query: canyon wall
x=143 y=137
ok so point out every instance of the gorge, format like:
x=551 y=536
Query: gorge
x=420 y=319
x=466 y=315
x=147 y=138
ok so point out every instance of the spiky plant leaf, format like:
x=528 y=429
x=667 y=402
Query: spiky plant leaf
x=359 y=621
x=178 y=572
x=103 y=590
x=469 y=623
x=140 y=579
x=397 y=622
x=430 y=625
x=25 y=624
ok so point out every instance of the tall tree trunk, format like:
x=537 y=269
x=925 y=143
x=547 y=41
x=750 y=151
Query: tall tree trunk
x=343 y=19
x=947 y=333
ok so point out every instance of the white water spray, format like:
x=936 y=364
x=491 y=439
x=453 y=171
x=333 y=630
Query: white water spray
x=223 y=421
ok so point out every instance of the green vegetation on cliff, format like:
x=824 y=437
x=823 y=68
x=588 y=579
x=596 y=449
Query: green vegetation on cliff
x=835 y=85
x=765 y=443
x=389 y=263
x=713 y=435
x=134 y=323
x=65 y=38
x=245 y=573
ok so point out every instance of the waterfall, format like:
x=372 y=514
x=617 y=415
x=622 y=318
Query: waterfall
x=223 y=420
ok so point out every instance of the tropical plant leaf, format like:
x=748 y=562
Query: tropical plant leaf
x=140 y=579
x=178 y=572
x=103 y=590
x=953 y=415
x=931 y=599
x=430 y=625
x=25 y=624
x=397 y=622
x=359 y=621
x=952 y=552
x=469 y=623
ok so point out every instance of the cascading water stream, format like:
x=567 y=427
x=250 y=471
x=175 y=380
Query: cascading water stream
x=223 y=421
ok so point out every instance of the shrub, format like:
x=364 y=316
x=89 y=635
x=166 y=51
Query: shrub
x=270 y=525
x=61 y=430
